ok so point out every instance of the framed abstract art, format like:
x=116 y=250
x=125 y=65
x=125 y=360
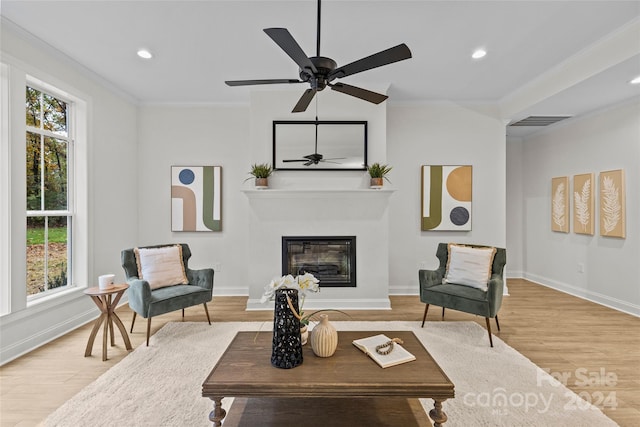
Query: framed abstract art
x=560 y=204
x=446 y=198
x=584 y=203
x=612 y=204
x=196 y=198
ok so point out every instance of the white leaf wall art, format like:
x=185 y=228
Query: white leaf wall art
x=612 y=204
x=560 y=204
x=583 y=204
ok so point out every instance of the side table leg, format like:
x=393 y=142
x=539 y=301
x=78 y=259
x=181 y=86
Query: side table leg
x=110 y=319
x=93 y=334
x=105 y=332
x=437 y=415
x=217 y=415
x=123 y=331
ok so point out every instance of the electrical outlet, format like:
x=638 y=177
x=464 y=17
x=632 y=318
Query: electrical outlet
x=580 y=267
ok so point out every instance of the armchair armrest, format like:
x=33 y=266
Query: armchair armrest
x=494 y=293
x=429 y=278
x=202 y=278
x=139 y=295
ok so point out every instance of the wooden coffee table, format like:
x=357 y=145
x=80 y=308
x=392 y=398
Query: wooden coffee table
x=338 y=390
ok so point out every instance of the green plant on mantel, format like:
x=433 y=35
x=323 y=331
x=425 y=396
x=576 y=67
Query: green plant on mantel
x=378 y=170
x=262 y=170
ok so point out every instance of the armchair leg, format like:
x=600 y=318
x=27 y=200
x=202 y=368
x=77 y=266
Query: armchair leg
x=148 y=329
x=497 y=323
x=442 y=313
x=489 y=330
x=206 y=310
x=183 y=314
x=133 y=321
x=426 y=308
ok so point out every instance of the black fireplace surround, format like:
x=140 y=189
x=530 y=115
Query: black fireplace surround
x=331 y=259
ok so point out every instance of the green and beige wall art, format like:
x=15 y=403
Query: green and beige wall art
x=446 y=198
x=560 y=204
x=612 y=203
x=584 y=203
x=196 y=198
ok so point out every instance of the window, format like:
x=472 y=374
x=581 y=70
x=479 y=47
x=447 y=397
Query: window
x=49 y=153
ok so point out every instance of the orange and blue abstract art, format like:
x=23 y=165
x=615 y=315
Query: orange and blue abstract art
x=446 y=198
x=196 y=198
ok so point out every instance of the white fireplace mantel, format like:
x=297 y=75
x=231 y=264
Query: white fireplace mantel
x=360 y=212
x=286 y=193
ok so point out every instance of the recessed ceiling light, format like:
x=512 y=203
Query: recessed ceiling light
x=635 y=81
x=479 y=53
x=145 y=54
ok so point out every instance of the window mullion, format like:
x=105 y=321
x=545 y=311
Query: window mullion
x=46 y=253
x=48 y=133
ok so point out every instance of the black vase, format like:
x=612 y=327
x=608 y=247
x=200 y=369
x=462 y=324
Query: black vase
x=287 y=345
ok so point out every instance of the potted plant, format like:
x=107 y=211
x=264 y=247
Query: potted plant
x=261 y=173
x=377 y=172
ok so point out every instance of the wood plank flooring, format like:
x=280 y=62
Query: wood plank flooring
x=563 y=334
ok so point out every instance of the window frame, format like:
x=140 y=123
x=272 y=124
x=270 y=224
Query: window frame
x=77 y=188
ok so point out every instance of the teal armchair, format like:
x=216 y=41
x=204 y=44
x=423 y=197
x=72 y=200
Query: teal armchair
x=463 y=298
x=149 y=302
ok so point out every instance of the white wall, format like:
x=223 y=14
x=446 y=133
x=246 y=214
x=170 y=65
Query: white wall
x=111 y=158
x=196 y=136
x=405 y=137
x=603 y=141
x=441 y=134
x=515 y=218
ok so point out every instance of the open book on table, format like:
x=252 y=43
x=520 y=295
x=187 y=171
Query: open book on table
x=396 y=357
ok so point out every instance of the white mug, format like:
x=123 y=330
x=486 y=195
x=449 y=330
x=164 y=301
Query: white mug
x=106 y=281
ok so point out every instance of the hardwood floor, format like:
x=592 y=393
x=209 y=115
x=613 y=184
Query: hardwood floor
x=597 y=348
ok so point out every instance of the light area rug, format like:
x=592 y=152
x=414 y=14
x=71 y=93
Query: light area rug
x=160 y=385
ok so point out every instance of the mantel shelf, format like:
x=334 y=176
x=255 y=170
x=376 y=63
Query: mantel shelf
x=282 y=193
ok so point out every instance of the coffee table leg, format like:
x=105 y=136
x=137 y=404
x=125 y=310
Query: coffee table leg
x=436 y=414
x=217 y=415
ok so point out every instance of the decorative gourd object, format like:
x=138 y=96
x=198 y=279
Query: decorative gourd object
x=324 y=338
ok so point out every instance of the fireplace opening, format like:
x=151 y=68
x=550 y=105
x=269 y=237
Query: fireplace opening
x=332 y=260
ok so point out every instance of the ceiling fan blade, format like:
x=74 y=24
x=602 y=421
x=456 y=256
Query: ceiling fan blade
x=260 y=82
x=304 y=101
x=294 y=160
x=385 y=57
x=285 y=40
x=358 y=92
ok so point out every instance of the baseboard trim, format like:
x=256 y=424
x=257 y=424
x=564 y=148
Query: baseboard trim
x=594 y=297
x=30 y=343
x=230 y=292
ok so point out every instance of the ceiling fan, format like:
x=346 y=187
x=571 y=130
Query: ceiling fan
x=320 y=71
x=315 y=158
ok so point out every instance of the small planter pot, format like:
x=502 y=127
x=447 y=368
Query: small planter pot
x=262 y=183
x=376 y=182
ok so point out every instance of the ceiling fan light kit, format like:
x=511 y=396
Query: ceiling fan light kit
x=320 y=71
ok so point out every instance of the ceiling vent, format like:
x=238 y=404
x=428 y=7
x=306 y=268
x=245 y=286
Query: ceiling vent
x=539 y=120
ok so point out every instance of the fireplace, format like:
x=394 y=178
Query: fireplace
x=332 y=260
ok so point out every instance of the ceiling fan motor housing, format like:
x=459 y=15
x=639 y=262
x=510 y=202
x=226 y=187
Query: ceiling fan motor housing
x=324 y=66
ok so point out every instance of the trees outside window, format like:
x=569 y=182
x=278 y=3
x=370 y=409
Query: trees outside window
x=49 y=211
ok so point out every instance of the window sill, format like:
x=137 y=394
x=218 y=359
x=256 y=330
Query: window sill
x=43 y=304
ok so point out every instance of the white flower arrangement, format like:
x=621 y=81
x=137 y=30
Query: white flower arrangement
x=304 y=283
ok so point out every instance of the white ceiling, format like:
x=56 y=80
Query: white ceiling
x=200 y=44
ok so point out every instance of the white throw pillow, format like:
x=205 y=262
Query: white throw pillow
x=161 y=267
x=469 y=266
